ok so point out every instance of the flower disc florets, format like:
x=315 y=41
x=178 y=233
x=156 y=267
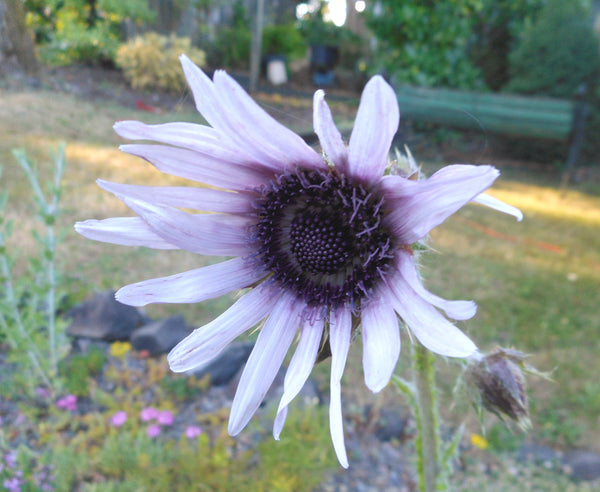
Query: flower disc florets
x=321 y=235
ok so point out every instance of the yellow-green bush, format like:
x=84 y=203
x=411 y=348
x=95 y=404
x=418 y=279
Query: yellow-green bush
x=151 y=61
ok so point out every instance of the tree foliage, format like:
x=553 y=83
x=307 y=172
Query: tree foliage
x=425 y=42
x=556 y=53
x=82 y=30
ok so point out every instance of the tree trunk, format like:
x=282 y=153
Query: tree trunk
x=15 y=36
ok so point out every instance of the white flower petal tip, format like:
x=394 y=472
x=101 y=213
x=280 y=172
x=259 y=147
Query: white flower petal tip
x=499 y=205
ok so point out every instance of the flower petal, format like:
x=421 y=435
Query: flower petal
x=340 y=329
x=205 y=199
x=192 y=286
x=459 y=310
x=329 y=135
x=419 y=206
x=203 y=234
x=300 y=367
x=126 y=231
x=199 y=138
x=492 y=202
x=374 y=129
x=434 y=331
x=197 y=167
x=264 y=362
x=206 y=342
x=238 y=119
x=263 y=130
x=381 y=343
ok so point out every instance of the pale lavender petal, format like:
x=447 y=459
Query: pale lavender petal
x=374 y=129
x=279 y=422
x=203 y=234
x=197 y=167
x=206 y=342
x=300 y=366
x=434 y=331
x=126 y=231
x=499 y=205
x=459 y=310
x=272 y=344
x=340 y=332
x=225 y=108
x=192 y=286
x=329 y=135
x=381 y=342
x=419 y=206
x=202 y=139
x=205 y=199
x=262 y=129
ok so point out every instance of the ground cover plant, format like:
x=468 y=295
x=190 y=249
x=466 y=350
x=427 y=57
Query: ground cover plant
x=536 y=287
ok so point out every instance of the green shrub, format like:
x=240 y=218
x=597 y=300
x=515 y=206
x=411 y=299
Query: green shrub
x=231 y=46
x=151 y=61
x=556 y=53
x=67 y=31
x=283 y=39
x=425 y=43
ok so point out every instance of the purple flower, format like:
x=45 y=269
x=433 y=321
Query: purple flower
x=165 y=417
x=69 y=402
x=12 y=484
x=149 y=413
x=324 y=242
x=119 y=418
x=193 y=431
x=153 y=430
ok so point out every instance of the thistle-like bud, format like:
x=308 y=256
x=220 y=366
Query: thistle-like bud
x=500 y=382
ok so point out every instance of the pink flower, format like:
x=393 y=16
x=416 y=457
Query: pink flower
x=68 y=402
x=165 y=417
x=193 y=431
x=322 y=242
x=153 y=430
x=149 y=413
x=119 y=418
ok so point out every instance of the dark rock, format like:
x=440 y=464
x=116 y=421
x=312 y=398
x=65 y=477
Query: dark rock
x=537 y=453
x=159 y=337
x=391 y=424
x=103 y=318
x=582 y=465
x=225 y=367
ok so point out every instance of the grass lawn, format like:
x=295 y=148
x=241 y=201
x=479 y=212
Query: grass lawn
x=537 y=283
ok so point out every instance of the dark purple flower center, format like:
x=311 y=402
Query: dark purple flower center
x=321 y=236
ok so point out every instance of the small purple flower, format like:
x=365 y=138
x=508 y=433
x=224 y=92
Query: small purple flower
x=323 y=241
x=42 y=392
x=165 y=417
x=193 y=431
x=153 y=430
x=149 y=413
x=119 y=418
x=69 y=402
x=12 y=484
x=11 y=459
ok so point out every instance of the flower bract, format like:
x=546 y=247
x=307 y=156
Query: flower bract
x=322 y=241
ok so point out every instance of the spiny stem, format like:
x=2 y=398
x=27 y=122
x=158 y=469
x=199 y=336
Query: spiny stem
x=428 y=438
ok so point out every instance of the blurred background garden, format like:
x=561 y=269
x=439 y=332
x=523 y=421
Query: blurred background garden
x=512 y=83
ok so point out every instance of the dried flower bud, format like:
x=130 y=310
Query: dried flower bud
x=500 y=382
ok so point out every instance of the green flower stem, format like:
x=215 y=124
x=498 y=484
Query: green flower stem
x=428 y=437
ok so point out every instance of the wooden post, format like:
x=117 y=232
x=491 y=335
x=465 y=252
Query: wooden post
x=255 y=53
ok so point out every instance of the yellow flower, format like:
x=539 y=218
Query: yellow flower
x=119 y=349
x=479 y=441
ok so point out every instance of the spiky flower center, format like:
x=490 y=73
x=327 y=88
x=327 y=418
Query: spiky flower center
x=321 y=236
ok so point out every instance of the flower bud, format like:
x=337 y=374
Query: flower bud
x=500 y=382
